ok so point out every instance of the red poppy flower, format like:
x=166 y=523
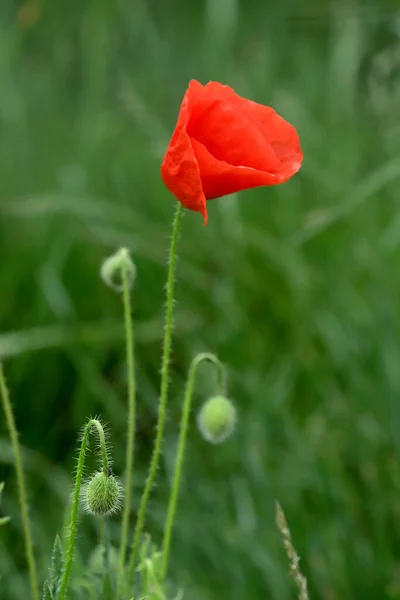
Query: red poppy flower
x=223 y=144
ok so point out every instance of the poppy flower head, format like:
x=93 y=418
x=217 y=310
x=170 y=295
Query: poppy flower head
x=224 y=143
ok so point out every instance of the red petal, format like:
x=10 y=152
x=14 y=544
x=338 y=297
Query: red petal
x=224 y=143
x=220 y=179
x=277 y=132
x=179 y=170
x=229 y=136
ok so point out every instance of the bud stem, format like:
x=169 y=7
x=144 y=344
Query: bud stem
x=102 y=444
x=184 y=427
x=93 y=423
x=164 y=390
x=23 y=502
x=130 y=447
x=294 y=559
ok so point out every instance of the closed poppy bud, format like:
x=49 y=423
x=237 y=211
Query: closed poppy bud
x=217 y=419
x=224 y=143
x=102 y=494
x=112 y=270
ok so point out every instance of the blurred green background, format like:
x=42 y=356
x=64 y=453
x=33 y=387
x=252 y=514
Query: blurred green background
x=297 y=288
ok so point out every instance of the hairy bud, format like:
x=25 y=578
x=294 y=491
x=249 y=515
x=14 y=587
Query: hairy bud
x=102 y=494
x=112 y=270
x=217 y=419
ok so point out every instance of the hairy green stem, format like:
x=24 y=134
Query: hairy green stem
x=22 y=496
x=130 y=447
x=292 y=555
x=163 y=392
x=102 y=444
x=92 y=424
x=184 y=427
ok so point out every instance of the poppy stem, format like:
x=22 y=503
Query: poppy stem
x=22 y=496
x=163 y=392
x=294 y=559
x=130 y=446
x=184 y=427
x=73 y=525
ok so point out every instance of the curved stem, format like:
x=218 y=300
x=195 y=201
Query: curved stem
x=164 y=390
x=93 y=423
x=187 y=403
x=22 y=497
x=102 y=444
x=130 y=447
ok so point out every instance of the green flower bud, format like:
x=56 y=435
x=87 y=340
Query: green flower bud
x=217 y=419
x=112 y=270
x=102 y=494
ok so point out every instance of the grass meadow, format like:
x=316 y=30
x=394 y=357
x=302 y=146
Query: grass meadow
x=296 y=288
